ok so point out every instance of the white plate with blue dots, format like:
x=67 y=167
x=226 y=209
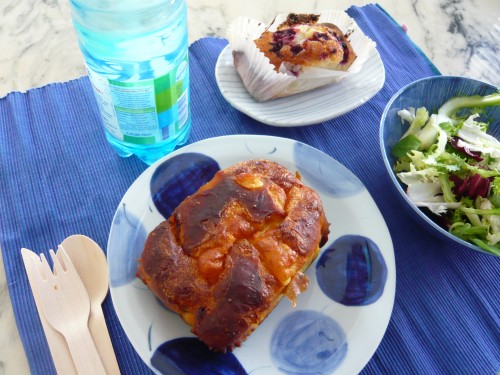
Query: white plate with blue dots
x=339 y=320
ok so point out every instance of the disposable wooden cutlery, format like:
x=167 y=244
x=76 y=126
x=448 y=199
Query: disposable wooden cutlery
x=57 y=344
x=89 y=260
x=66 y=307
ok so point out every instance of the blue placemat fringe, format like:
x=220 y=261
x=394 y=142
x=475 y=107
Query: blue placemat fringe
x=58 y=177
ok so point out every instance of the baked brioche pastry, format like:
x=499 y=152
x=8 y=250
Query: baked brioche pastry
x=230 y=251
x=296 y=52
x=301 y=40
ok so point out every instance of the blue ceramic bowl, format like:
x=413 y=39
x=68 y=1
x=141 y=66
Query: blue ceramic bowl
x=430 y=93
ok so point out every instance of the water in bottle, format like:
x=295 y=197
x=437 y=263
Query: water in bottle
x=136 y=53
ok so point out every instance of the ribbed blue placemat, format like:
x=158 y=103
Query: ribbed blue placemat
x=58 y=177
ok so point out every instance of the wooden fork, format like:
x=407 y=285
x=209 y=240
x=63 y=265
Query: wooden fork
x=66 y=307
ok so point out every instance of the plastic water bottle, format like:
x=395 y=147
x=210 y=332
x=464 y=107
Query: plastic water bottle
x=136 y=53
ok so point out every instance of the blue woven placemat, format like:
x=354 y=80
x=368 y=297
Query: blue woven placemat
x=58 y=177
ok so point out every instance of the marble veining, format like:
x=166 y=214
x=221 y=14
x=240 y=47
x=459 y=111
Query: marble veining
x=38 y=47
x=12 y=357
x=463 y=37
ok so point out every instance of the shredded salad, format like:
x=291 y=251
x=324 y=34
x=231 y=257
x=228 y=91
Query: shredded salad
x=450 y=166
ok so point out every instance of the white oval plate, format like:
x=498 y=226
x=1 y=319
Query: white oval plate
x=339 y=337
x=307 y=108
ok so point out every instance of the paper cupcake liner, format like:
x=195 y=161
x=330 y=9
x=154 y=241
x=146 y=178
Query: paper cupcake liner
x=258 y=74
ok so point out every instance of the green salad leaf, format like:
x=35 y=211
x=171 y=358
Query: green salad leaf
x=450 y=166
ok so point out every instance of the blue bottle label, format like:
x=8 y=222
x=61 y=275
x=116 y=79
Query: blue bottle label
x=144 y=112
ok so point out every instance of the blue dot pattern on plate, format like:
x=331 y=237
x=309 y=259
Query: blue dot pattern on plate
x=189 y=356
x=352 y=271
x=128 y=238
x=325 y=174
x=180 y=176
x=308 y=342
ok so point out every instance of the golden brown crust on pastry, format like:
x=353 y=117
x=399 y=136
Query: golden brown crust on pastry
x=230 y=251
x=300 y=40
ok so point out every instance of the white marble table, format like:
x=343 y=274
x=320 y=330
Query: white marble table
x=38 y=47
